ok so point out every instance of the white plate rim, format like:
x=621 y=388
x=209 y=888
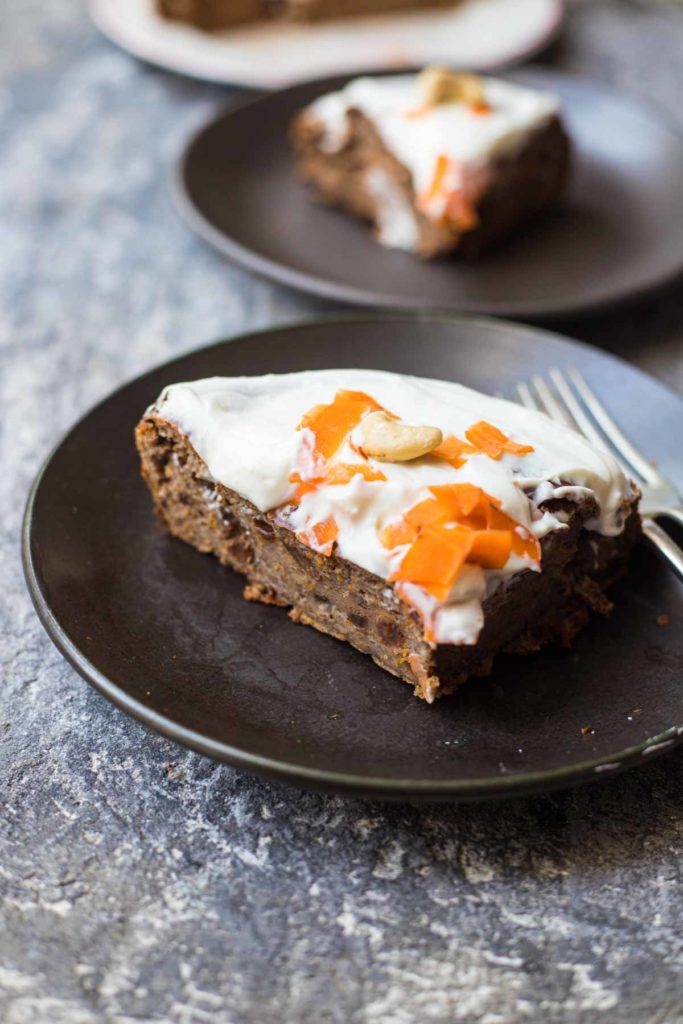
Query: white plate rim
x=187 y=51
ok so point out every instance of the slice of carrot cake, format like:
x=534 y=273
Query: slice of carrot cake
x=217 y=14
x=426 y=524
x=437 y=162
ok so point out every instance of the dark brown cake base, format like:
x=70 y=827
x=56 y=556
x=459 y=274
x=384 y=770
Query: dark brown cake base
x=524 y=184
x=212 y=15
x=340 y=598
x=322 y=10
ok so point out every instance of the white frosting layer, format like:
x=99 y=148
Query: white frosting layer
x=245 y=430
x=397 y=225
x=470 y=139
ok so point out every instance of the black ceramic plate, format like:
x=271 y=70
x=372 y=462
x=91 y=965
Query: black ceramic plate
x=164 y=632
x=618 y=234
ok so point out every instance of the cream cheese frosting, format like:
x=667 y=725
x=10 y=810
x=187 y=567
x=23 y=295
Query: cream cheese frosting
x=470 y=139
x=248 y=432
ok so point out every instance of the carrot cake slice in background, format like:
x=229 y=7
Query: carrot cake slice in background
x=217 y=14
x=425 y=523
x=437 y=162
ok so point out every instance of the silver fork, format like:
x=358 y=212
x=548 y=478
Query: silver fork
x=571 y=402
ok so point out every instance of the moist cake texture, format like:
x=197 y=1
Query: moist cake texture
x=426 y=524
x=437 y=162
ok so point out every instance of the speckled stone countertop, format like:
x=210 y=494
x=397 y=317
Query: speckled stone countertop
x=142 y=882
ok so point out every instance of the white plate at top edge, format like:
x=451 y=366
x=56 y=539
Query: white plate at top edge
x=479 y=34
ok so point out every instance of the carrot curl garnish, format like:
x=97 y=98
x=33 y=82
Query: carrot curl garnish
x=436 y=187
x=493 y=442
x=460 y=524
x=321 y=537
x=453 y=450
x=338 y=473
x=491 y=548
x=453 y=194
x=331 y=424
x=435 y=559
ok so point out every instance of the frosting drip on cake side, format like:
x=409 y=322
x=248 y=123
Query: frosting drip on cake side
x=248 y=431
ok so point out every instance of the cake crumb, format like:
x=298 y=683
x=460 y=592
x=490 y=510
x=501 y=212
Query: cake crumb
x=663 y=620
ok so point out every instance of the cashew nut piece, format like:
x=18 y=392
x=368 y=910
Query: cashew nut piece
x=388 y=441
x=437 y=85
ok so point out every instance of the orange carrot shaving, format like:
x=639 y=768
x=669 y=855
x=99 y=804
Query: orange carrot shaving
x=418 y=111
x=454 y=451
x=332 y=423
x=490 y=548
x=397 y=533
x=337 y=473
x=344 y=472
x=461 y=504
x=459 y=524
x=463 y=499
x=326 y=532
x=303 y=486
x=440 y=170
x=435 y=558
x=428 y=512
x=526 y=546
x=493 y=442
x=311 y=416
x=321 y=537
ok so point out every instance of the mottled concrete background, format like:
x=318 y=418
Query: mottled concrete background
x=145 y=883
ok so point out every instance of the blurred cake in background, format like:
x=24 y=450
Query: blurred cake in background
x=437 y=162
x=217 y=14
x=211 y=14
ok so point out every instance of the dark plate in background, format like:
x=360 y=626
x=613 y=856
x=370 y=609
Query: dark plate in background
x=618 y=234
x=164 y=632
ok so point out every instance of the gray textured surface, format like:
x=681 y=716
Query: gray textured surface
x=144 y=883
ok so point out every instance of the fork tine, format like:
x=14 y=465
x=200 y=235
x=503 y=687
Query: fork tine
x=525 y=396
x=566 y=408
x=549 y=402
x=582 y=421
x=621 y=443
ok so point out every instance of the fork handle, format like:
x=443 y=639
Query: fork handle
x=666 y=548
